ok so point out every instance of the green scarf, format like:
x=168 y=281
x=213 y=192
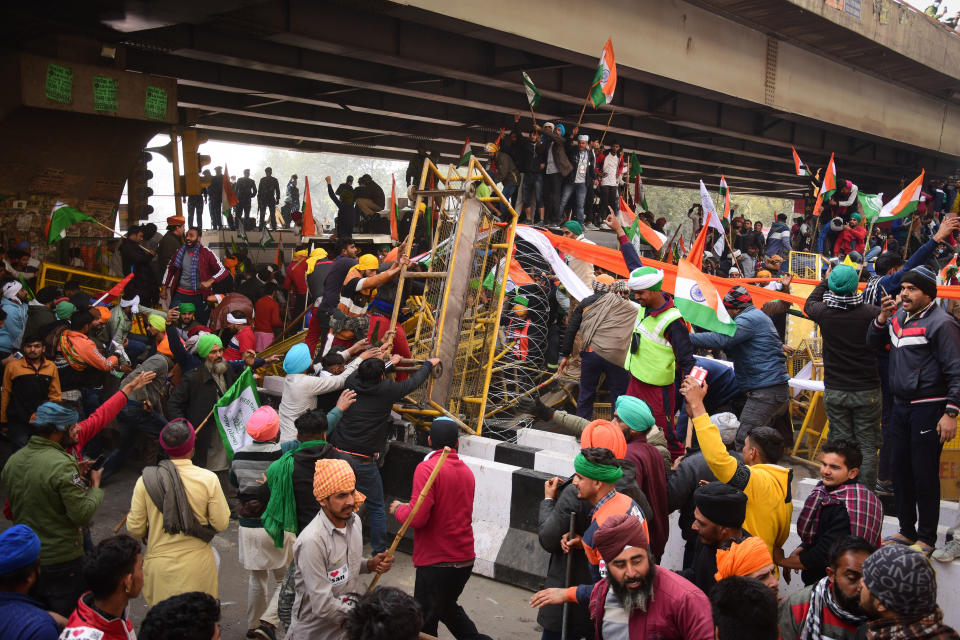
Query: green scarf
x=281 y=512
x=599 y=472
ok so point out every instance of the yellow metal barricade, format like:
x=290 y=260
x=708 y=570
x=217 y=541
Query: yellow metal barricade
x=92 y=283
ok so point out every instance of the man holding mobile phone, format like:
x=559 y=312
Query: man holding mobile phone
x=925 y=380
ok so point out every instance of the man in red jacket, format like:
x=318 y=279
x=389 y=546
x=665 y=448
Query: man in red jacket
x=190 y=274
x=114 y=572
x=443 y=535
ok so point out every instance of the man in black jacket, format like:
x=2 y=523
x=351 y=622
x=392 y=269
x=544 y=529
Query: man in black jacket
x=363 y=431
x=925 y=381
x=851 y=378
x=246 y=189
x=717 y=521
x=578 y=184
x=334 y=274
x=268 y=195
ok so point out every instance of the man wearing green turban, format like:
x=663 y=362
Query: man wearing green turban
x=596 y=473
x=660 y=345
x=634 y=417
x=187 y=320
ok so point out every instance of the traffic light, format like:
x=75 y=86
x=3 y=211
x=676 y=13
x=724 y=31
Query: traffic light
x=138 y=189
x=194 y=162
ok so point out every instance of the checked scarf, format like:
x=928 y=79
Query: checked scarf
x=194 y=263
x=863 y=509
x=820 y=595
x=844 y=303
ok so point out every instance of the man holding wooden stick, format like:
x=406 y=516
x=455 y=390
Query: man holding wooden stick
x=443 y=550
x=328 y=556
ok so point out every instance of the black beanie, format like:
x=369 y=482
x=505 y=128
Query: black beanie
x=444 y=432
x=721 y=504
x=923 y=279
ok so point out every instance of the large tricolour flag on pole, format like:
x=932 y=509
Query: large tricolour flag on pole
x=829 y=180
x=465 y=154
x=233 y=410
x=905 y=202
x=61 y=218
x=699 y=302
x=605 y=79
x=634 y=227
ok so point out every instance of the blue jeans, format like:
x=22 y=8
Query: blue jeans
x=532 y=195
x=132 y=420
x=508 y=193
x=370 y=484
x=579 y=193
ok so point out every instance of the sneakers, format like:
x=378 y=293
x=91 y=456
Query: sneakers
x=884 y=488
x=264 y=632
x=949 y=553
x=591 y=227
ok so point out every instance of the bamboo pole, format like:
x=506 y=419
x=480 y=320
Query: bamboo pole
x=413 y=511
x=534 y=117
x=587 y=98
x=609 y=120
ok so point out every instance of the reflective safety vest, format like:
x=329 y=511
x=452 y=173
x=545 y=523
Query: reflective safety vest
x=651 y=359
x=517 y=330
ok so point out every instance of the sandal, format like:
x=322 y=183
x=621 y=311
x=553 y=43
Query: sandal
x=898 y=539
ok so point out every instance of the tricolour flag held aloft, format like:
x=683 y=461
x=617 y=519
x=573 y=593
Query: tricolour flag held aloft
x=62 y=217
x=725 y=194
x=307 y=226
x=829 y=184
x=465 y=154
x=798 y=164
x=605 y=79
x=699 y=302
x=533 y=94
x=233 y=410
x=905 y=202
x=394 y=212
x=634 y=227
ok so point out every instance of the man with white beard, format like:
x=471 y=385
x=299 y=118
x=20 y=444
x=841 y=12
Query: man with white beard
x=637 y=599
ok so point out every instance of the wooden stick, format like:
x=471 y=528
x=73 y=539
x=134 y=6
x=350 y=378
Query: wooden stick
x=609 y=120
x=906 y=244
x=584 y=107
x=197 y=430
x=413 y=511
x=118 y=233
x=866 y=246
x=532 y=114
x=569 y=578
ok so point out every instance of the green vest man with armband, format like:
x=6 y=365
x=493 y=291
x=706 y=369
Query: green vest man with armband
x=659 y=346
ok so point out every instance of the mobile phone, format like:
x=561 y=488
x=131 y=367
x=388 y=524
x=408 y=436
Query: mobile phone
x=699 y=374
x=18 y=355
x=98 y=462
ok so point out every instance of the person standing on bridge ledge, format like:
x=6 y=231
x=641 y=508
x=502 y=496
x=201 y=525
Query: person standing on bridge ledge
x=443 y=550
x=268 y=196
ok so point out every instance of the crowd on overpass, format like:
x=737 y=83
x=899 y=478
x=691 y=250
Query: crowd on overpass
x=700 y=425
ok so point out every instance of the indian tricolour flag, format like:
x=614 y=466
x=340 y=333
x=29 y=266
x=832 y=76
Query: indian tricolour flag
x=829 y=184
x=533 y=94
x=798 y=164
x=62 y=216
x=699 y=302
x=905 y=202
x=605 y=79
x=229 y=199
x=233 y=410
x=635 y=227
x=725 y=194
x=465 y=154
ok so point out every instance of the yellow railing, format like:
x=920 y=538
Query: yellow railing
x=57 y=274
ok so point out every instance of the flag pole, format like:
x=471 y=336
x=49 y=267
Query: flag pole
x=587 y=98
x=532 y=116
x=906 y=244
x=866 y=246
x=609 y=120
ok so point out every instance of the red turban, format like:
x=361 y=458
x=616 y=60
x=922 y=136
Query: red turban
x=619 y=532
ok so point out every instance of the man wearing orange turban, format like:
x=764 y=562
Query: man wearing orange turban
x=749 y=558
x=328 y=556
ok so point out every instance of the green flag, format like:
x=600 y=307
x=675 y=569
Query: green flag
x=533 y=94
x=233 y=410
x=635 y=168
x=61 y=218
x=266 y=239
x=872 y=204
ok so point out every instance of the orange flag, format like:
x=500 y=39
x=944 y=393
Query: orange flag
x=695 y=255
x=308 y=228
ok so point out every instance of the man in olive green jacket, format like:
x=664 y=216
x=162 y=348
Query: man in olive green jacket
x=48 y=492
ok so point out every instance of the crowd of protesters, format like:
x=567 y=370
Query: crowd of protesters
x=688 y=432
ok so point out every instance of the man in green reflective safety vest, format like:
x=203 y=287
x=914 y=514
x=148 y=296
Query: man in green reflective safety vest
x=659 y=345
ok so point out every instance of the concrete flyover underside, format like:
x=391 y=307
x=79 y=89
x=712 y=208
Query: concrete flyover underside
x=708 y=87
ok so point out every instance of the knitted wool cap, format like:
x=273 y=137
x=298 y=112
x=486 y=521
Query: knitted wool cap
x=902 y=579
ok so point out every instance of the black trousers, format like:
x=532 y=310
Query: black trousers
x=243 y=211
x=915 y=457
x=437 y=590
x=195 y=206
x=60 y=586
x=266 y=208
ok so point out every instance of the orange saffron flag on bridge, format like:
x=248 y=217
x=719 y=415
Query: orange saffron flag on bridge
x=229 y=198
x=307 y=227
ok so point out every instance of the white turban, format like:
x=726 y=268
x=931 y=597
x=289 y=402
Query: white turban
x=11 y=289
x=583 y=137
x=232 y=319
x=133 y=304
x=645 y=278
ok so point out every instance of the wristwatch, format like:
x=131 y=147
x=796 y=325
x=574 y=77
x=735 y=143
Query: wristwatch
x=951 y=412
